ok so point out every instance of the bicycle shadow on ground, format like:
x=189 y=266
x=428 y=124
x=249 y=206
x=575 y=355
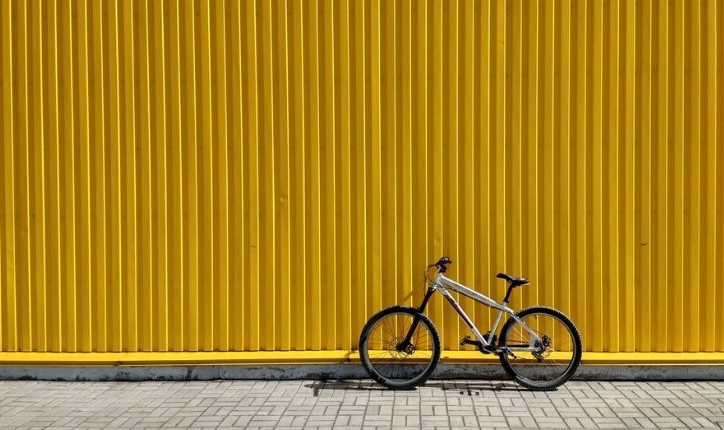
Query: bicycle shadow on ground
x=473 y=388
x=344 y=384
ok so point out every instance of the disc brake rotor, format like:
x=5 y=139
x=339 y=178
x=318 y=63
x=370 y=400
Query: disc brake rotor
x=394 y=348
x=544 y=350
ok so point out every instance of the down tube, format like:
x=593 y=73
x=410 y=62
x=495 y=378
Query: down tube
x=464 y=316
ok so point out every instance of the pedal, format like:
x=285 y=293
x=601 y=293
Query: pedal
x=466 y=341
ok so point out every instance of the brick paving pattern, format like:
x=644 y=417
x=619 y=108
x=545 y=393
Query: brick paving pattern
x=358 y=404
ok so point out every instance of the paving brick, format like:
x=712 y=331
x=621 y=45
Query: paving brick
x=355 y=404
x=609 y=423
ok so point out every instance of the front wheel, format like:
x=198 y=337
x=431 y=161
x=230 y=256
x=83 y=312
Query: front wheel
x=541 y=348
x=399 y=347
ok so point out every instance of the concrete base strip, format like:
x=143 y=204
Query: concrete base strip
x=272 y=358
x=338 y=371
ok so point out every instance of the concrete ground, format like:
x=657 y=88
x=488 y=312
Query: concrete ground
x=358 y=403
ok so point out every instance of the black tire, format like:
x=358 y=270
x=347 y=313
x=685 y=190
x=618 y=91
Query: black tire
x=575 y=343
x=417 y=377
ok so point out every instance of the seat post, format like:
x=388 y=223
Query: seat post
x=507 y=293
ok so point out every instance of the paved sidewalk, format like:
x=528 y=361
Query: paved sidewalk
x=355 y=404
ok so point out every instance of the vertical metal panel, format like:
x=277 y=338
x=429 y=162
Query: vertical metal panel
x=264 y=175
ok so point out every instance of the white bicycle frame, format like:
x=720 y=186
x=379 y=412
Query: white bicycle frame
x=442 y=283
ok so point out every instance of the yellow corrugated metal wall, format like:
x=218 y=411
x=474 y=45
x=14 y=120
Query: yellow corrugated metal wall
x=264 y=175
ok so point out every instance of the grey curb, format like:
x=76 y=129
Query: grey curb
x=340 y=371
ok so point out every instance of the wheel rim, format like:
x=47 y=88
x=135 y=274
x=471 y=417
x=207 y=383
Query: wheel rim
x=390 y=358
x=554 y=355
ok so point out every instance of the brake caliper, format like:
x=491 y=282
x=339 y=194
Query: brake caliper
x=543 y=351
x=406 y=347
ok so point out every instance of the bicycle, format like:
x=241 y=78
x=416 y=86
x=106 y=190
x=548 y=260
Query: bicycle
x=400 y=346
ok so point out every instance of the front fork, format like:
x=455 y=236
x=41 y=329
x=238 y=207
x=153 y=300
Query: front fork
x=405 y=345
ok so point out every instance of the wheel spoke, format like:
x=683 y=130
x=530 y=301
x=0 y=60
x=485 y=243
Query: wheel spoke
x=398 y=367
x=545 y=366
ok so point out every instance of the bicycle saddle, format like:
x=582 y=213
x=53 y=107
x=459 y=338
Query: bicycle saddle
x=513 y=280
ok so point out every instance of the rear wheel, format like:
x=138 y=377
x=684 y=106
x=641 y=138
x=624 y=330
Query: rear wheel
x=392 y=361
x=546 y=360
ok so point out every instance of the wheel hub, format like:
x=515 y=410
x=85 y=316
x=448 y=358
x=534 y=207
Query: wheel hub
x=406 y=347
x=543 y=348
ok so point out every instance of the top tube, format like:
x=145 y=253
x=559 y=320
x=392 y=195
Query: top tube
x=444 y=281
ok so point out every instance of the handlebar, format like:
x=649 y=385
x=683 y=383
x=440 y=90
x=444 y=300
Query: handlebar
x=441 y=264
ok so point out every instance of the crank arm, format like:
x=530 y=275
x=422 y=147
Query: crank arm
x=505 y=350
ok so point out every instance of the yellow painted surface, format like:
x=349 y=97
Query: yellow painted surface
x=314 y=357
x=248 y=181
